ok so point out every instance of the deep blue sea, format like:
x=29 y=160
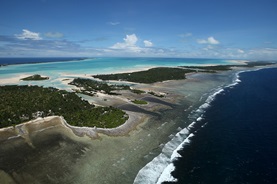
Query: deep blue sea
x=115 y=61
x=238 y=142
x=11 y=61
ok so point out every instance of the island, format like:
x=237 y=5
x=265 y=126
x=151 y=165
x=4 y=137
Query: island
x=139 y=102
x=35 y=77
x=160 y=74
x=152 y=75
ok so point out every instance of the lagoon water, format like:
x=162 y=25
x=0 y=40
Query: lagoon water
x=66 y=68
x=93 y=65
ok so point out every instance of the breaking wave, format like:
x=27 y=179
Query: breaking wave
x=160 y=168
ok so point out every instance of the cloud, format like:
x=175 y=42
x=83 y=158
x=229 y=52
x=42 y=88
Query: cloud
x=131 y=39
x=113 y=23
x=27 y=44
x=262 y=53
x=129 y=43
x=5 y=38
x=240 y=51
x=209 y=47
x=53 y=35
x=210 y=40
x=28 y=35
x=185 y=35
x=147 y=43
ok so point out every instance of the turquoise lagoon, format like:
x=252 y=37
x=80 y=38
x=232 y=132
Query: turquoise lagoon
x=59 y=69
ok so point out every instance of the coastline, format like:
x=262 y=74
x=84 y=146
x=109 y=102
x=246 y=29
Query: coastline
x=110 y=153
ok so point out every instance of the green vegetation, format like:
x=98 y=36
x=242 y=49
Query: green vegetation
x=149 y=76
x=163 y=73
x=258 y=63
x=22 y=103
x=89 y=87
x=137 y=91
x=105 y=117
x=139 y=102
x=155 y=94
x=213 y=69
x=35 y=77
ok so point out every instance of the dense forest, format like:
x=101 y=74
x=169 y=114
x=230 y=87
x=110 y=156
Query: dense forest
x=149 y=76
x=22 y=103
x=34 y=77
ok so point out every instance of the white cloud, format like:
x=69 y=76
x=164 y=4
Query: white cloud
x=53 y=35
x=131 y=39
x=209 y=47
x=28 y=35
x=262 y=53
x=129 y=43
x=147 y=43
x=210 y=40
x=240 y=51
x=114 y=23
x=185 y=35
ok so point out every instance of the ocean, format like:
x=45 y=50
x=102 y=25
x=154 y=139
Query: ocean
x=235 y=140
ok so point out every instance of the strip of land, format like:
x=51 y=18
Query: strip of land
x=22 y=103
x=35 y=77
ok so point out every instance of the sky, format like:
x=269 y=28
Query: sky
x=226 y=29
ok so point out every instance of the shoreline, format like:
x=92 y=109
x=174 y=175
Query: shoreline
x=25 y=130
x=101 y=99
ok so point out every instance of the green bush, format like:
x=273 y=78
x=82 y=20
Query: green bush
x=22 y=103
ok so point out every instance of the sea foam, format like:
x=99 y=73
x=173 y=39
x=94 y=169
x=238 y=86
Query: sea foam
x=160 y=168
x=166 y=174
x=152 y=171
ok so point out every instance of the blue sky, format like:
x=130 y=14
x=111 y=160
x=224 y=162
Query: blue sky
x=231 y=29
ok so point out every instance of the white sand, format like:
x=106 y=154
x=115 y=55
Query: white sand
x=13 y=80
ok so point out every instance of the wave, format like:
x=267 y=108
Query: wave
x=166 y=174
x=150 y=173
x=160 y=168
x=236 y=80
